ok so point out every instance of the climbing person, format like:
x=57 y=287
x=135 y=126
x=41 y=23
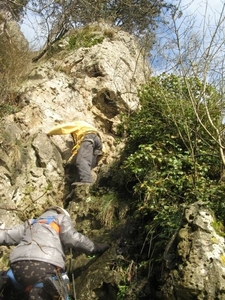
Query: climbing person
x=86 y=153
x=37 y=263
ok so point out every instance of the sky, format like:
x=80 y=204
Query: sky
x=207 y=11
x=198 y=6
x=31 y=28
x=196 y=26
x=32 y=31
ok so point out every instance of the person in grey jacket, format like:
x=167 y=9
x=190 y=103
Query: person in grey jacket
x=39 y=253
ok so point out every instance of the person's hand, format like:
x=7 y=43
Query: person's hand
x=101 y=248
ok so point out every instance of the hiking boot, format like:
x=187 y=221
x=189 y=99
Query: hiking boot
x=58 y=289
x=69 y=197
x=81 y=192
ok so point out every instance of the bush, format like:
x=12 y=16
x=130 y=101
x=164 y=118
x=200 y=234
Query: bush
x=170 y=160
x=14 y=65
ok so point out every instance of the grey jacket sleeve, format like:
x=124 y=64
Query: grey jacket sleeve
x=12 y=236
x=74 y=239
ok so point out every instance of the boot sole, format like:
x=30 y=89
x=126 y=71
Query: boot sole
x=51 y=288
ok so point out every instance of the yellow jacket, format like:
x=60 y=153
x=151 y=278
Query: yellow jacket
x=78 y=130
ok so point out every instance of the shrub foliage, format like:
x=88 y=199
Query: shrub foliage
x=171 y=158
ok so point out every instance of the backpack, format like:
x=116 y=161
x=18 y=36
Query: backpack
x=48 y=220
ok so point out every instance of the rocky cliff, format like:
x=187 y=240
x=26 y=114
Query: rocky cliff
x=98 y=82
x=195 y=259
x=94 y=83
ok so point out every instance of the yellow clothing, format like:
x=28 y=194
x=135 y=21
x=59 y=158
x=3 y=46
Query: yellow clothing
x=78 y=130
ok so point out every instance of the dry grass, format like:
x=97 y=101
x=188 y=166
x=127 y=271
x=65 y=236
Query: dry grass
x=15 y=63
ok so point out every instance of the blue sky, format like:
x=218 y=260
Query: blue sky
x=194 y=29
x=198 y=8
x=33 y=31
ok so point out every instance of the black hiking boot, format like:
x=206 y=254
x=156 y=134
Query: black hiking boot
x=69 y=198
x=81 y=192
x=57 y=289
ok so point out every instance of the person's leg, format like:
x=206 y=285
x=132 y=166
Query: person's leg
x=97 y=151
x=58 y=286
x=84 y=161
x=29 y=273
x=82 y=167
x=39 y=294
x=11 y=293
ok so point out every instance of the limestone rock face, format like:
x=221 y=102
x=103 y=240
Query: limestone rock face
x=95 y=84
x=195 y=258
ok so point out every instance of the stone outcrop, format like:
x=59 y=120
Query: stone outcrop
x=95 y=84
x=195 y=259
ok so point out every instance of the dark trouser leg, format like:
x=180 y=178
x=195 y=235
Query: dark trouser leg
x=87 y=157
x=84 y=161
x=29 y=273
x=39 y=294
x=83 y=164
x=97 y=151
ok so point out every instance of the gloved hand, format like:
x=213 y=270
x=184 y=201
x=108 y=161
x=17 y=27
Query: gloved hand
x=100 y=248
